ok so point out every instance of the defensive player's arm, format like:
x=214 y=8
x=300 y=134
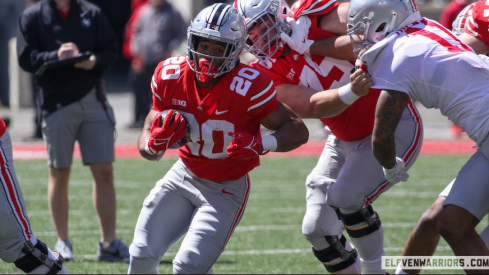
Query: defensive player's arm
x=146 y=134
x=290 y=130
x=309 y=103
x=390 y=106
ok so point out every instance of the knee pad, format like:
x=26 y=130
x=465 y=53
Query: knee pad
x=336 y=250
x=365 y=217
x=37 y=255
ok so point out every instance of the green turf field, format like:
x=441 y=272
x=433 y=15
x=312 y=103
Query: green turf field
x=268 y=239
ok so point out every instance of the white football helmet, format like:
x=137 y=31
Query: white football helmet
x=219 y=22
x=257 y=11
x=375 y=19
x=458 y=25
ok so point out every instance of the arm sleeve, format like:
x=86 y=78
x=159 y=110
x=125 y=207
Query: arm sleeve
x=263 y=100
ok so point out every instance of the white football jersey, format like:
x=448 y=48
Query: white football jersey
x=432 y=66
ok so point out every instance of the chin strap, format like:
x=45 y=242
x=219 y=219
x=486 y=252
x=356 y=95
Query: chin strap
x=205 y=69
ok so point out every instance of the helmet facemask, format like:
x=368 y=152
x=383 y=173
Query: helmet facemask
x=267 y=17
x=221 y=23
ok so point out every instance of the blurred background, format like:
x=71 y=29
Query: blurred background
x=17 y=91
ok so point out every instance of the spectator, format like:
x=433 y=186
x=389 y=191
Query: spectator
x=450 y=12
x=74 y=108
x=158 y=31
x=18 y=244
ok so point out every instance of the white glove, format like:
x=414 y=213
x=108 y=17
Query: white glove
x=397 y=173
x=297 y=40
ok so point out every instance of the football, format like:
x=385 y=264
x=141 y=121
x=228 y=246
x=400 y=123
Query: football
x=186 y=138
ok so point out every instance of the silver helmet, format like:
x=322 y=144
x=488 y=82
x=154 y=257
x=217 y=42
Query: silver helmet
x=270 y=12
x=458 y=25
x=375 y=19
x=219 y=22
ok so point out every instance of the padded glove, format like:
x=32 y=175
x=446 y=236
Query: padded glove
x=244 y=146
x=163 y=137
x=297 y=40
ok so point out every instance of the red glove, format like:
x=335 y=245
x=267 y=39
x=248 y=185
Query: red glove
x=172 y=130
x=244 y=146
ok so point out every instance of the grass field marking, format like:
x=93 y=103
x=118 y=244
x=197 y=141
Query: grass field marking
x=273 y=252
x=243 y=228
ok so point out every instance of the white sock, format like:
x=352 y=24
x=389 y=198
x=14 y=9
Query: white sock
x=399 y=270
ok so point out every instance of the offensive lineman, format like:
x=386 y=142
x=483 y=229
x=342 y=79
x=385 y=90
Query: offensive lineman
x=205 y=192
x=347 y=176
x=18 y=244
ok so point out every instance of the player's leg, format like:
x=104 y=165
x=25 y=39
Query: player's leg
x=485 y=235
x=17 y=243
x=321 y=225
x=424 y=237
x=220 y=207
x=466 y=205
x=360 y=181
x=60 y=129
x=164 y=218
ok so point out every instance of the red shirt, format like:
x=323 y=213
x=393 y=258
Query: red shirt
x=3 y=127
x=239 y=102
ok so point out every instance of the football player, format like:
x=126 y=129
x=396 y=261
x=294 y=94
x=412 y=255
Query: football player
x=472 y=29
x=433 y=66
x=18 y=244
x=347 y=178
x=203 y=196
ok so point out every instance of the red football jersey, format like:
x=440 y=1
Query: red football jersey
x=323 y=73
x=313 y=9
x=477 y=25
x=239 y=102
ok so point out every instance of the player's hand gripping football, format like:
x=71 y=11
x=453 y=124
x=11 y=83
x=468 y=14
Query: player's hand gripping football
x=165 y=135
x=297 y=40
x=397 y=173
x=244 y=146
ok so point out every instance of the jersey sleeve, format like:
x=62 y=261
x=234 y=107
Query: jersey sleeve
x=313 y=7
x=478 y=24
x=158 y=88
x=279 y=73
x=263 y=97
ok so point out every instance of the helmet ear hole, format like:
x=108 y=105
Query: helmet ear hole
x=381 y=27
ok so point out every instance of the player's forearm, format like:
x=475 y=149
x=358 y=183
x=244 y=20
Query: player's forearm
x=338 y=47
x=142 y=141
x=291 y=135
x=309 y=103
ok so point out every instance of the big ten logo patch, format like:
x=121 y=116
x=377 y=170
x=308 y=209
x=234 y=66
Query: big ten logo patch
x=179 y=102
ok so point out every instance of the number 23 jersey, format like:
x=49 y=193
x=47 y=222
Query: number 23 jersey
x=240 y=100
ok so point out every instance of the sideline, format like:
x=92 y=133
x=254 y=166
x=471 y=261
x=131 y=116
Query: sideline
x=36 y=151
